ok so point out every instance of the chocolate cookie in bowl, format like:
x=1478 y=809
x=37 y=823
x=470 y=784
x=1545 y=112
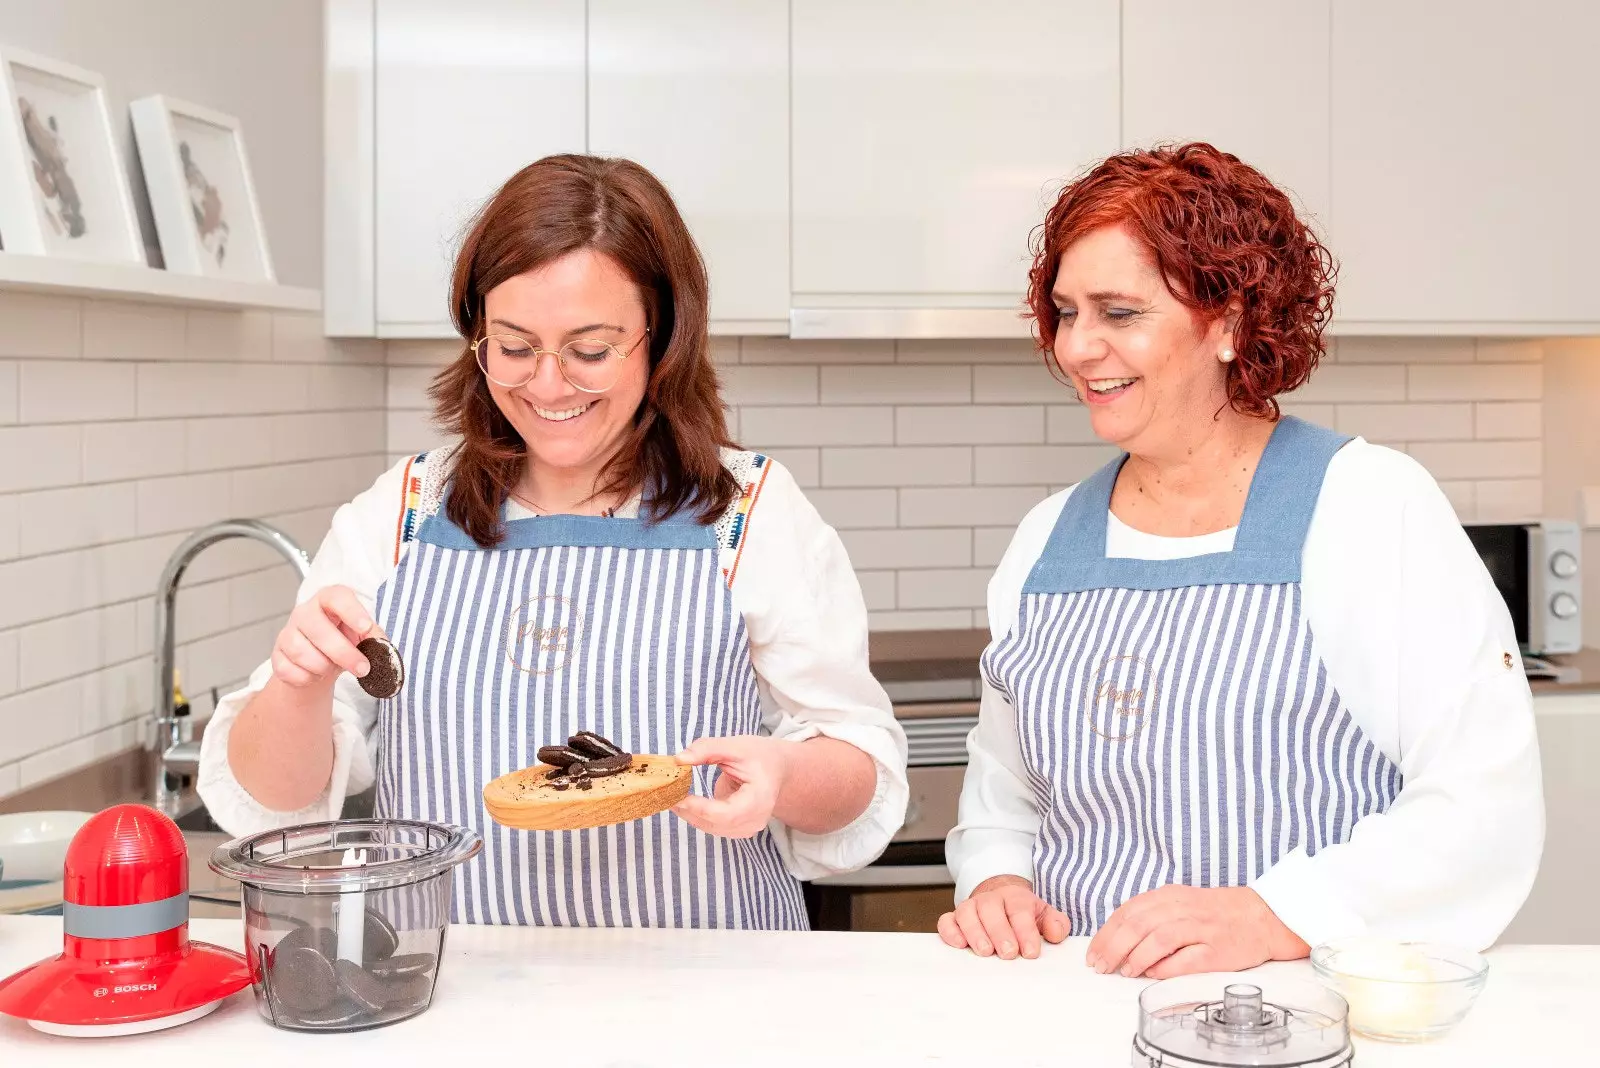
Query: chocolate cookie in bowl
x=345 y=921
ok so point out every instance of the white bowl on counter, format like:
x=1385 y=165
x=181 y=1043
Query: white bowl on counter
x=33 y=845
x=1401 y=991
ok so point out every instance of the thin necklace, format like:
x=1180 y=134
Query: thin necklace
x=537 y=507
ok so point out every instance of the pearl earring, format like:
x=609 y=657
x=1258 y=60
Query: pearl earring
x=1226 y=355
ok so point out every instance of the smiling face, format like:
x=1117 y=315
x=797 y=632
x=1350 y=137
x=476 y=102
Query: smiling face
x=1144 y=364
x=584 y=295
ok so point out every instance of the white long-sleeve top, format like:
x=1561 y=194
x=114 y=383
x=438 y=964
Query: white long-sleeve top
x=1420 y=646
x=803 y=611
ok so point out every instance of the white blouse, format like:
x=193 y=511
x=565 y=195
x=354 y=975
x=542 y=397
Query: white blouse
x=803 y=610
x=1420 y=646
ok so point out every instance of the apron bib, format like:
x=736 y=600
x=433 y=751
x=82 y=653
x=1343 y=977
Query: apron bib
x=1177 y=724
x=619 y=626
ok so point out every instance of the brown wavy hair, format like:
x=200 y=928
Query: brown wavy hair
x=550 y=208
x=1221 y=234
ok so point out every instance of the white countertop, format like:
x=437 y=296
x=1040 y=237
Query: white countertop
x=698 y=998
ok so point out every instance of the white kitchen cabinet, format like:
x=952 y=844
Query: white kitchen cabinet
x=1249 y=76
x=698 y=92
x=929 y=137
x=466 y=94
x=1560 y=908
x=1463 y=166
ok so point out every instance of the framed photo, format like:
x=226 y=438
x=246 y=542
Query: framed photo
x=62 y=188
x=201 y=195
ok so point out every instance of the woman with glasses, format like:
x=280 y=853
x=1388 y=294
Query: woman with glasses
x=594 y=554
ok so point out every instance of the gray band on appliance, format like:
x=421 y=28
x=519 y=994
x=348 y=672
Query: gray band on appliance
x=126 y=921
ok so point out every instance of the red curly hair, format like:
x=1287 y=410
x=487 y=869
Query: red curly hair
x=1220 y=233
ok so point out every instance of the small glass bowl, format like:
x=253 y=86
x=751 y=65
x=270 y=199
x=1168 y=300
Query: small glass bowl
x=1401 y=991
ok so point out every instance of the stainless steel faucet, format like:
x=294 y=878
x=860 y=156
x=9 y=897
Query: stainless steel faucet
x=172 y=745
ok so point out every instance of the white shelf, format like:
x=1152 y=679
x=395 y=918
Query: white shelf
x=43 y=274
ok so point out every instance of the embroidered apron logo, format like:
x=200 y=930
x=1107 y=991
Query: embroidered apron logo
x=541 y=634
x=1120 y=693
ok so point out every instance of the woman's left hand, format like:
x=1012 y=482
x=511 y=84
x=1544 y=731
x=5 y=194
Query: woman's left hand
x=754 y=769
x=1177 y=930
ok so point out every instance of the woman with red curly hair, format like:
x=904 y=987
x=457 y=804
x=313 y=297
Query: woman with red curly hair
x=1250 y=688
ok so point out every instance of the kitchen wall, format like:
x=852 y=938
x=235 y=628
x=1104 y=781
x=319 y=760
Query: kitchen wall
x=259 y=62
x=123 y=427
x=926 y=454
x=1572 y=456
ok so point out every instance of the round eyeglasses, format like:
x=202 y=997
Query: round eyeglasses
x=589 y=365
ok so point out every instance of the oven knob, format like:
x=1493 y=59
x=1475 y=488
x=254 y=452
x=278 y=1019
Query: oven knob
x=1563 y=606
x=1563 y=564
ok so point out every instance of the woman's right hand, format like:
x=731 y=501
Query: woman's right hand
x=319 y=641
x=1003 y=917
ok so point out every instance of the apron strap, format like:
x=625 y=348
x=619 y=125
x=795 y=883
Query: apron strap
x=1277 y=514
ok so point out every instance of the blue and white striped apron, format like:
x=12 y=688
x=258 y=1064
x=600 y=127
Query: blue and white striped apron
x=1177 y=724
x=618 y=626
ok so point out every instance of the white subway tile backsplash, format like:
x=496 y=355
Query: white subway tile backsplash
x=10 y=778
x=118 y=330
x=40 y=327
x=803 y=465
x=928 y=547
x=901 y=383
x=1320 y=414
x=408 y=388
x=968 y=352
x=1476 y=382
x=766 y=427
x=117 y=451
x=962 y=506
x=8 y=393
x=943 y=588
x=989 y=545
x=968 y=424
x=429 y=354
x=769 y=384
x=1342 y=383
x=59 y=649
x=1030 y=384
x=853 y=509
x=212 y=389
x=320 y=435
x=120 y=630
x=1024 y=465
x=1068 y=424
x=889 y=466
x=1405 y=422
x=1392 y=350
x=36 y=720
x=262 y=595
x=877 y=588
x=347 y=388
x=1480 y=459
x=8 y=663
x=182 y=503
x=783 y=350
x=83 y=391
x=10 y=532
x=723 y=350
x=1499 y=350
x=298 y=339
x=39 y=457
x=947 y=619
x=202 y=611
x=74 y=517
x=1512 y=420
x=228 y=335
x=225 y=444
x=411 y=431
x=1510 y=500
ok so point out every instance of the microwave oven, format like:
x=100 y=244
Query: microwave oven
x=1537 y=567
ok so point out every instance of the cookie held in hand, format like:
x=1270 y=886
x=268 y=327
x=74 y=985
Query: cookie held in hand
x=591 y=792
x=386 y=673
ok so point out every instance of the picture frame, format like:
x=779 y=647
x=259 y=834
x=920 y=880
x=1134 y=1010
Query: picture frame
x=202 y=195
x=63 y=190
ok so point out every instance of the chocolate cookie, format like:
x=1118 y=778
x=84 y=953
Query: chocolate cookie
x=592 y=745
x=387 y=672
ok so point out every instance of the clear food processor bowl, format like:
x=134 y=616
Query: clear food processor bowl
x=345 y=921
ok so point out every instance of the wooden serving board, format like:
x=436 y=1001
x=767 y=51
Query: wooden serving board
x=526 y=800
